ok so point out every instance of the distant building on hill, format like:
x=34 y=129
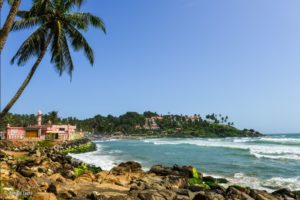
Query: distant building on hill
x=151 y=123
x=40 y=131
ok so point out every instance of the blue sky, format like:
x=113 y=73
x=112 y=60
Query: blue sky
x=240 y=58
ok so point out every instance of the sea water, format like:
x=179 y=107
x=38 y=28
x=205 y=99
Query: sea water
x=268 y=163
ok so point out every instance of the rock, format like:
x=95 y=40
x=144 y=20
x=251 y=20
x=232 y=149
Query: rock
x=183 y=192
x=160 y=170
x=10 y=197
x=209 y=179
x=208 y=196
x=155 y=195
x=138 y=186
x=27 y=173
x=93 y=195
x=127 y=167
x=54 y=188
x=197 y=188
x=57 y=178
x=44 y=186
x=87 y=177
x=284 y=192
x=5 y=171
x=66 y=195
x=38 y=153
x=2 y=155
x=175 y=182
x=73 y=193
x=185 y=171
x=222 y=180
x=68 y=174
x=44 y=196
x=50 y=172
x=234 y=193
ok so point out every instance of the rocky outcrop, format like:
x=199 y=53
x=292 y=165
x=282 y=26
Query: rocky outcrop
x=46 y=174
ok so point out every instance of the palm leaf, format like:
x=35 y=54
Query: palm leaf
x=79 y=42
x=31 y=46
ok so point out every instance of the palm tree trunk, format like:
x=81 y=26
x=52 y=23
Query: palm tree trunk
x=9 y=22
x=1 y=4
x=26 y=81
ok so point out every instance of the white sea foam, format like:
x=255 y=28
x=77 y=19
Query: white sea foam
x=274 y=151
x=281 y=140
x=97 y=158
x=269 y=184
x=279 y=182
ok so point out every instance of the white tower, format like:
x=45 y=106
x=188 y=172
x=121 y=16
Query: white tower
x=39 y=118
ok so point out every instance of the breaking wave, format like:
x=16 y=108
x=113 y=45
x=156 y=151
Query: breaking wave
x=253 y=145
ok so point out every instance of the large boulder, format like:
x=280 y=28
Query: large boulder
x=127 y=167
x=184 y=171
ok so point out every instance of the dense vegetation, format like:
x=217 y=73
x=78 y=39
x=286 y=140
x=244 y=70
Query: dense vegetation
x=148 y=123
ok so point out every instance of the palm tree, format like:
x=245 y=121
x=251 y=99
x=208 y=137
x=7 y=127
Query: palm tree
x=15 y=4
x=57 y=29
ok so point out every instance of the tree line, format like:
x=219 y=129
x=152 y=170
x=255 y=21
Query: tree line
x=134 y=123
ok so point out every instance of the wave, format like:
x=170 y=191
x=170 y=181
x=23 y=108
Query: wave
x=268 y=184
x=269 y=151
x=98 y=158
x=281 y=140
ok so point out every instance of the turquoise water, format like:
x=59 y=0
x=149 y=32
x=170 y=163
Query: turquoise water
x=269 y=162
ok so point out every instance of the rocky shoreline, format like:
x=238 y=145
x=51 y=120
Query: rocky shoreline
x=40 y=171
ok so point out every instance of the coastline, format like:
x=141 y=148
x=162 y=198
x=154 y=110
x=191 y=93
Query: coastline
x=47 y=172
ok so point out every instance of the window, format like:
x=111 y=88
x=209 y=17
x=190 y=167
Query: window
x=61 y=129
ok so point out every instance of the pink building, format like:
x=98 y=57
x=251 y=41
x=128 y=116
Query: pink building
x=40 y=132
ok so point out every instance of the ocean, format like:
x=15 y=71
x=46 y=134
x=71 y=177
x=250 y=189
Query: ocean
x=267 y=163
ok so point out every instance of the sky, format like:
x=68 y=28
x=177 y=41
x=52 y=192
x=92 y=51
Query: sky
x=240 y=58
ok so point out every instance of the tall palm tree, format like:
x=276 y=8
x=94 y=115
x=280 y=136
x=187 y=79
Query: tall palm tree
x=15 y=4
x=57 y=29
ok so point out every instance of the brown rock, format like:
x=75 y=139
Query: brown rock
x=44 y=196
x=54 y=188
x=156 y=195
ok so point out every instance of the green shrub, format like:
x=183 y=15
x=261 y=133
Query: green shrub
x=81 y=148
x=45 y=144
x=194 y=181
x=78 y=171
x=195 y=173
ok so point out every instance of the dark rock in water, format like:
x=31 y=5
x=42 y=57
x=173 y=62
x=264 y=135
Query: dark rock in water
x=185 y=171
x=160 y=170
x=209 y=179
x=284 y=192
x=222 y=180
